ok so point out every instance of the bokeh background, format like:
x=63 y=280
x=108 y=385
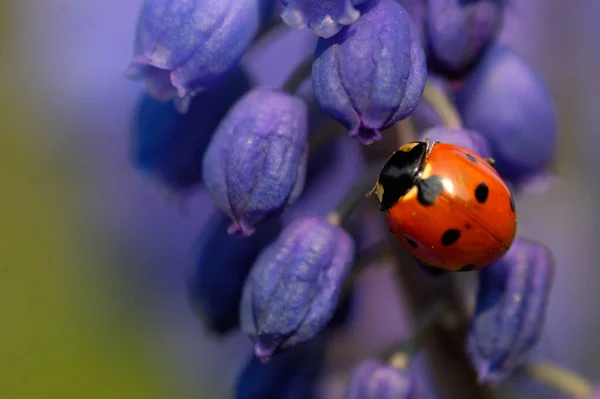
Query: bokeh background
x=92 y=253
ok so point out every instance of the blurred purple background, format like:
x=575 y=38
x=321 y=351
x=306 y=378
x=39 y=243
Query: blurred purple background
x=122 y=321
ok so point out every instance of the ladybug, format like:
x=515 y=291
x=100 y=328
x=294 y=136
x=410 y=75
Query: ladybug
x=446 y=205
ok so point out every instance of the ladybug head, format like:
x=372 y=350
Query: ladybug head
x=398 y=174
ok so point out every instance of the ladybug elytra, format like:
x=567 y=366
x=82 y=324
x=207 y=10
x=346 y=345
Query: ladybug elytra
x=446 y=205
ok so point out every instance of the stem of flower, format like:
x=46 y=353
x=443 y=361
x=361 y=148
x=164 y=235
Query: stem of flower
x=401 y=355
x=271 y=26
x=443 y=106
x=268 y=29
x=298 y=76
x=559 y=379
x=356 y=194
x=451 y=368
x=328 y=131
x=445 y=345
x=378 y=252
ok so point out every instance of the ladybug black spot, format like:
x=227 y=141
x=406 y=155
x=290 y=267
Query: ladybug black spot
x=450 y=236
x=512 y=203
x=429 y=189
x=481 y=193
x=471 y=158
x=467 y=268
x=412 y=243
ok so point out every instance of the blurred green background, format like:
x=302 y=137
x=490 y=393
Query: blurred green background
x=91 y=254
x=58 y=336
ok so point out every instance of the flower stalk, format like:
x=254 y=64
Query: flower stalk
x=298 y=75
x=559 y=379
x=401 y=355
x=444 y=347
x=354 y=197
x=442 y=105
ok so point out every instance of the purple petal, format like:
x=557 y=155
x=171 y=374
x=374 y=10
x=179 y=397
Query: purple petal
x=255 y=165
x=371 y=74
x=324 y=17
x=294 y=286
x=506 y=102
x=372 y=379
x=511 y=306
x=467 y=139
x=183 y=47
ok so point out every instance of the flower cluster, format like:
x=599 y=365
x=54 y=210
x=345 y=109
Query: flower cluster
x=279 y=256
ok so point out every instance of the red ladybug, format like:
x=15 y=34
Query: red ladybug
x=447 y=205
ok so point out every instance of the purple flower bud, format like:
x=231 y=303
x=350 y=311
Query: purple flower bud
x=216 y=279
x=324 y=17
x=293 y=374
x=375 y=380
x=182 y=47
x=169 y=145
x=294 y=286
x=506 y=102
x=467 y=139
x=256 y=163
x=372 y=73
x=510 y=311
x=457 y=32
x=332 y=171
x=596 y=394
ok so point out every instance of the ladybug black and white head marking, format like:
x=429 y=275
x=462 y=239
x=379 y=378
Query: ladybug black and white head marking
x=398 y=174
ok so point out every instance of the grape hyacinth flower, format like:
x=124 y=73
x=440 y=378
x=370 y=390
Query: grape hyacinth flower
x=295 y=284
x=372 y=379
x=456 y=32
x=273 y=260
x=183 y=47
x=255 y=165
x=506 y=102
x=216 y=278
x=510 y=311
x=324 y=17
x=169 y=145
x=371 y=74
x=293 y=374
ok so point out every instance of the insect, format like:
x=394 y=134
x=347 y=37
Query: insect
x=446 y=205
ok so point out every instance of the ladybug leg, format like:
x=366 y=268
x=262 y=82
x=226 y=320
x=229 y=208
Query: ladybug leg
x=428 y=150
x=373 y=190
x=491 y=162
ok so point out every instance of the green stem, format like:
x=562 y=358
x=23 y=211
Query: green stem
x=299 y=75
x=559 y=379
x=442 y=105
x=262 y=38
x=268 y=28
x=451 y=368
x=356 y=194
x=401 y=355
x=375 y=253
x=328 y=130
x=407 y=131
